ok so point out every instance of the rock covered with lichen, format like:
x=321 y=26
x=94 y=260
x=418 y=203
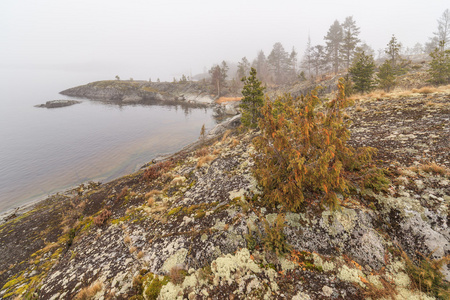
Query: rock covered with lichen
x=191 y=227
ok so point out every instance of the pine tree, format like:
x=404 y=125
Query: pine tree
x=306 y=63
x=393 y=51
x=252 y=101
x=349 y=41
x=362 y=71
x=243 y=68
x=334 y=40
x=386 y=76
x=440 y=65
x=279 y=62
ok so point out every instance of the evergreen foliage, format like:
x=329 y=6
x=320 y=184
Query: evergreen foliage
x=349 y=41
x=393 y=50
x=333 y=40
x=252 y=101
x=386 y=76
x=362 y=71
x=440 y=65
x=301 y=154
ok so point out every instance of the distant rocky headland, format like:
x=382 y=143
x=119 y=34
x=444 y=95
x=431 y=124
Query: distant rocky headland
x=131 y=92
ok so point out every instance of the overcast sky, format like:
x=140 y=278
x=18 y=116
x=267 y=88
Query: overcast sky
x=149 y=38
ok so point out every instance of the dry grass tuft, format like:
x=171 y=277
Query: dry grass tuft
x=425 y=90
x=153 y=193
x=177 y=275
x=202 y=152
x=226 y=134
x=204 y=160
x=102 y=217
x=127 y=239
x=89 y=292
x=123 y=193
x=434 y=169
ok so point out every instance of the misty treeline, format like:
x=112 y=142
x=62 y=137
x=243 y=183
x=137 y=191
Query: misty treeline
x=340 y=48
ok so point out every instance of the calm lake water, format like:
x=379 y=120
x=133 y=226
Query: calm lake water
x=43 y=151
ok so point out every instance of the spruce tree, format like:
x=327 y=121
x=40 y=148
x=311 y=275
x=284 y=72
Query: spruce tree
x=349 y=41
x=386 y=76
x=362 y=71
x=252 y=101
x=334 y=42
x=440 y=65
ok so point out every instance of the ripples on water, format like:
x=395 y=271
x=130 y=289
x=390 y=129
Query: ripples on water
x=46 y=150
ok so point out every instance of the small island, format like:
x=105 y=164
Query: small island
x=58 y=103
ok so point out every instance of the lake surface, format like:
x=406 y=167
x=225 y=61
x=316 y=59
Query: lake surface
x=43 y=151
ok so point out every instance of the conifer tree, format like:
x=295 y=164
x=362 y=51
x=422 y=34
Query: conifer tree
x=252 y=101
x=349 y=41
x=301 y=154
x=393 y=51
x=362 y=71
x=386 y=76
x=440 y=65
x=333 y=40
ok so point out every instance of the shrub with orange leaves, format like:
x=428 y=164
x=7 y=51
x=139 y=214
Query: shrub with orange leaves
x=302 y=154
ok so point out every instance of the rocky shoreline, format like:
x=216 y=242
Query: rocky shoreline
x=190 y=226
x=133 y=92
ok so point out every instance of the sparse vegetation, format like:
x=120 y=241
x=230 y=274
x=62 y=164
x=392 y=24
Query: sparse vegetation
x=274 y=239
x=427 y=275
x=302 y=153
x=102 y=217
x=89 y=292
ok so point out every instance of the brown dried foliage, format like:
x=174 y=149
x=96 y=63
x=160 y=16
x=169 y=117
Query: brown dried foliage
x=156 y=170
x=102 y=217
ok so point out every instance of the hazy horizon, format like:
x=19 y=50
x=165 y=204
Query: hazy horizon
x=164 y=39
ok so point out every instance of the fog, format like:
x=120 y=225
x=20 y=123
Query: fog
x=164 y=39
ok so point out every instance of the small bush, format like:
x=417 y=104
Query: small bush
x=204 y=160
x=89 y=292
x=102 y=217
x=434 y=169
x=428 y=276
x=156 y=170
x=302 y=154
x=425 y=90
x=177 y=275
x=123 y=193
x=274 y=239
x=202 y=152
x=376 y=180
x=127 y=239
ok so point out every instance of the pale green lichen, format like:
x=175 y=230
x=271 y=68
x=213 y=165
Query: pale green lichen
x=326 y=265
x=352 y=275
x=222 y=267
x=286 y=264
x=175 y=260
x=345 y=217
x=170 y=291
x=271 y=218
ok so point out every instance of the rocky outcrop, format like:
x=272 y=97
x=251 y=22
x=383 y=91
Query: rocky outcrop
x=126 y=92
x=192 y=226
x=58 y=103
